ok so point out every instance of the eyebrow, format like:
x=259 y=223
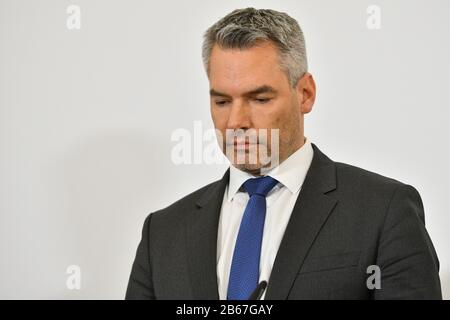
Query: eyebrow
x=258 y=90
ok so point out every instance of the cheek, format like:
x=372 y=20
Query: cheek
x=277 y=117
x=219 y=118
x=286 y=120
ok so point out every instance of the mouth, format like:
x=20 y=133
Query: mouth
x=244 y=145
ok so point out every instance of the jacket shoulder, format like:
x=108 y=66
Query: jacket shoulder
x=358 y=180
x=186 y=203
x=350 y=171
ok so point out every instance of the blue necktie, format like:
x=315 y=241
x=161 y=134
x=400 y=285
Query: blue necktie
x=244 y=273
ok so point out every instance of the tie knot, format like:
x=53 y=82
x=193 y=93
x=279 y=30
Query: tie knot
x=261 y=185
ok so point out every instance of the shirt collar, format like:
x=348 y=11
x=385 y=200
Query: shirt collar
x=291 y=172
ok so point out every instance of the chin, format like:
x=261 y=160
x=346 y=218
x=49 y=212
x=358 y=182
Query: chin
x=252 y=168
x=248 y=167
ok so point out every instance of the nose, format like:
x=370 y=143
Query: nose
x=239 y=117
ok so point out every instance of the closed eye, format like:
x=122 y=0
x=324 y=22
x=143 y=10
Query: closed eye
x=221 y=102
x=262 y=100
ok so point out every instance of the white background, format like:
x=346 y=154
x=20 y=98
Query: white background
x=86 y=118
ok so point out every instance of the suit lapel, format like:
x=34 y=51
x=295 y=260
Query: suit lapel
x=310 y=212
x=202 y=227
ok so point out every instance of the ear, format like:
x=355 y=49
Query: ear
x=306 y=92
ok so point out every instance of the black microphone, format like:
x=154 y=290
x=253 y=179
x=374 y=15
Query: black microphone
x=257 y=294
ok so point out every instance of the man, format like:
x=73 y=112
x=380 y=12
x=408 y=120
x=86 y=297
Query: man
x=309 y=227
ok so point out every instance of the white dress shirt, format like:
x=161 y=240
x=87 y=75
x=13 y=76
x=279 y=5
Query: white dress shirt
x=280 y=202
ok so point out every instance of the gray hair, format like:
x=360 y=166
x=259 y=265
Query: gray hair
x=244 y=28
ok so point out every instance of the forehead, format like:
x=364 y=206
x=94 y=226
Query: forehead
x=237 y=70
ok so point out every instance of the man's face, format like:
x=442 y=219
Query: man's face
x=249 y=90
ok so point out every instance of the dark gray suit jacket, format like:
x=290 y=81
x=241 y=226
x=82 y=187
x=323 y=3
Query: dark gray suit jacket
x=345 y=219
